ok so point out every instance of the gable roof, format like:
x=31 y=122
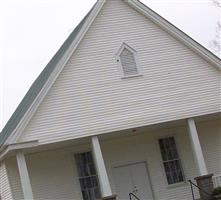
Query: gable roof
x=37 y=87
x=38 y=84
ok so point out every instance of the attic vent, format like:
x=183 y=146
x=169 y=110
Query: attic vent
x=127 y=61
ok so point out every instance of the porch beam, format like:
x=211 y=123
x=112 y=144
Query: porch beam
x=197 y=150
x=24 y=176
x=101 y=169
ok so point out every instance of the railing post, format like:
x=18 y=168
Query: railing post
x=192 y=190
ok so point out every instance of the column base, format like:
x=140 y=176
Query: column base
x=112 y=197
x=206 y=183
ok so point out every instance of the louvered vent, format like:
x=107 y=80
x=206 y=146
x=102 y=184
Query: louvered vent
x=128 y=63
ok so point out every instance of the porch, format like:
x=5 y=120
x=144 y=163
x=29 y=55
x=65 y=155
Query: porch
x=130 y=161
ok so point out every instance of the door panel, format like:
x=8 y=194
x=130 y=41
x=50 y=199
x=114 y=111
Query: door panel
x=132 y=178
x=123 y=182
x=141 y=181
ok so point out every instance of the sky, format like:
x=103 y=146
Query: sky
x=33 y=30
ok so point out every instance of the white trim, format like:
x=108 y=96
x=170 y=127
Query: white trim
x=60 y=65
x=17 y=146
x=129 y=48
x=215 y=61
x=23 y=145
x=101 y=169
x=197 y=150
x=24 y=176
x=125 y=45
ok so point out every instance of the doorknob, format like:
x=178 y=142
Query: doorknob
x=135 y=189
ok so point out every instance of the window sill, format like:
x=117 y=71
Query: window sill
x=137 y=75
x=175 y=185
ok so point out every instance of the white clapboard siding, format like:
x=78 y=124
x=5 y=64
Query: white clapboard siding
x=210 y=138
x=14 y=179
x=90 y=97
x=5 y=190
x=54 y=175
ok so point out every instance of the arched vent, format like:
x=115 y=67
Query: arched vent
x=128 y=62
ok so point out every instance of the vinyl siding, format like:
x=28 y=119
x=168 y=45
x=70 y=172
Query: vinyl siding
x=54 y=175
x=5 y=190
x=89 y=97
x=210 y=138
x=14 y=179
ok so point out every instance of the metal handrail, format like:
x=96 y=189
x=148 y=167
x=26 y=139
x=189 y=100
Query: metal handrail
x=132 y=194
x=193 y=184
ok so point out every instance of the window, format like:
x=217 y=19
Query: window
x=171 y=161
x=126 y=57
x=87 y=176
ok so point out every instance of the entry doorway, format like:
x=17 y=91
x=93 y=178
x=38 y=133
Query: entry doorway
x=132 y=178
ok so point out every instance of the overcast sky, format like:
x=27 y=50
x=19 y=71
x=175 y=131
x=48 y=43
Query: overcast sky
x=33 y=30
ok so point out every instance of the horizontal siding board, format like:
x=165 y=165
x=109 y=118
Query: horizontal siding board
x=14 y=179
x=89 y=97
x=211 y=144
x=5 y=190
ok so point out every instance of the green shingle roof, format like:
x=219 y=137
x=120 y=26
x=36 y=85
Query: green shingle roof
x=38 y=84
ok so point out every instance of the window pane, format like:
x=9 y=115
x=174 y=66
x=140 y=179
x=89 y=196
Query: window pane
x=85 y=194
x=92 y=169
x=82 y=183
x=97 y=193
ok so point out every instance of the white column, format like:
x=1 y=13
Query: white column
x=198 y=153
x=24 y=176
x=100 y=166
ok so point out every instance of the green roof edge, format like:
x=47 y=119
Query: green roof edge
x=38 y=84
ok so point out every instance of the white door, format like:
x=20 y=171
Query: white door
x=134 y=179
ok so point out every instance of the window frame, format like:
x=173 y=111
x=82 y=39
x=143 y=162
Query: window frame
x=179 y=159
x=118 y=59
